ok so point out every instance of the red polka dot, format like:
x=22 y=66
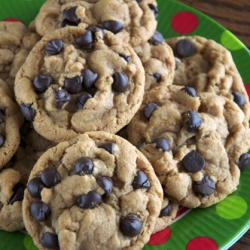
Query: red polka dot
x=184 y=22
x=12 y=19
x=247 y=86
x=160 y=237
x=203 y=243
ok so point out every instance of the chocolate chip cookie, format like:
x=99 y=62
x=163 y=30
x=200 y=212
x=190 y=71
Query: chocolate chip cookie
x=207 y=66
x=77 y=80
x=195 y=142
x=96 y=191
x=158 y=61
x=132 y=21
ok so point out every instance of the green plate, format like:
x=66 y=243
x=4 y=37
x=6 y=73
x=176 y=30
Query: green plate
x=216 y=227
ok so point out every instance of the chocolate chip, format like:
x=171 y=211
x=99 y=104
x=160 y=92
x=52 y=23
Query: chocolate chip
x=149 y=109
x=89 y=78
x=27 y=111
x=140 y=180
x=238 y=98
x=82 y=100
x=18 y=194
x=185 y=48
x=70 y=14
x=50 y=177
x=54 y=47
x=109 y=146
x=244 y=161
x=204 y=187
x=157 y=77
x=61 y=97
x=2 y=140
x=65 y=23
x=35 y=187
x=41 y=83
x=157 y=38
x=193 y=162
x=84 y=166
x=73 y=85
x=194 y=121
x=131 y=226
x=126 y=58
x=112 y=25
x=120 y=83
x=39 y=210
x=50 y=241
x=89 y=200
x=1 y=117
x=86 y=41
x=154 y=9
x=190 y=91
x=162 y=143
x=106 y=183
x=166 y=210
x=95 y=29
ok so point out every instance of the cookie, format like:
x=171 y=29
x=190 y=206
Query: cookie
x=15 y=43
x=207 y=66
x=195 y=142
x=96 y=191
x=77 y=80
x=132 y=21
x=11 y=120
x=158 y=61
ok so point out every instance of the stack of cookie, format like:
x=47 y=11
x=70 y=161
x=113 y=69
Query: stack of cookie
x=86 y=72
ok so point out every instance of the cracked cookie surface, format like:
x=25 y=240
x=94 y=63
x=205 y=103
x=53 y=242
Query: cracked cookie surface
x=96 y=191
x=77 y=80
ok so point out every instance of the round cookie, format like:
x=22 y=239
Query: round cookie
x=77 y=80
x=158 y=61
x=11 y=120
x=207 y=66
x=132 y=21
x=194 y=142
x=96 y=191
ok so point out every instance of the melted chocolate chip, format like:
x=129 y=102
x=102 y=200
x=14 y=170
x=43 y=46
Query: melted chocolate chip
x=130 y=226
x=65 y=23
x=54 y=47
x=162 y=143
x=84 y=166
x=95 y=29
x=204 y=187
x=193 y=162
x=157 y=77
x=149 y=109
x=35 y=187
x=50 y=241
x=185 y=48
x=61 y=97
x=86 y=41
x=238 y=98
x=106 y=183
x=140 y=180
x=109 y=146
x=166 y=210
x=50 y=177
x=2 y=140
x=194 y=121
x=190 y=91
x=154 y=9
x=39 y=210
x=157 y=38
x=120 y=83
x=89 y=78
x=112 y=25
x=70 y=14
x=73 y=85
x=126 y=58
x=82 y=100
x=41 y=83
x=89 y=200
x=244 y=161
x=18 y=194
x=1 y=117
x=27 y=111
